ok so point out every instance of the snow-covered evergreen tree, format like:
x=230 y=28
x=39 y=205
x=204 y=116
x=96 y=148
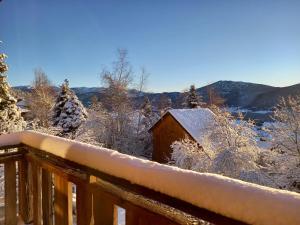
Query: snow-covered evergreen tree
x=148 y=119
x=193 y=100
x=69 y=113
x=10 y=116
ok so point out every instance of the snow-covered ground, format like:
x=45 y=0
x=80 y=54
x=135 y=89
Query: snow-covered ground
x=243 y=110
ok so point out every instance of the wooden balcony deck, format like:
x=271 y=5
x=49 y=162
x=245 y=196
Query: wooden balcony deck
x=38 y=189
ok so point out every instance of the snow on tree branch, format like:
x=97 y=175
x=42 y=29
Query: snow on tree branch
x=69 y=113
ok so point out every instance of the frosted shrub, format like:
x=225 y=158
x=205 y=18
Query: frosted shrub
x=234 y=161
x=187 y=154
x=229 y=148
x=285 y=132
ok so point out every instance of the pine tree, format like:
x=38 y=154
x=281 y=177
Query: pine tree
x=10 y=116
x=149 y=118
x=69 y=113
x=213 y=98
x=146 y=107
x=193 y=100
x=164 y=104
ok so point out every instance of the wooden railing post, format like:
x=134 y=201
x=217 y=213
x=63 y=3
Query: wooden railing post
x=131 y=218
x=25 y=203
x=10 y=193
x=47 y=197
x=36 y=190
x=84 y=204
x=62 y=201
x=104 y=210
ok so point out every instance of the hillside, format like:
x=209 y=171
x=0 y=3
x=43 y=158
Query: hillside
x=269 y=99
x=236 y=94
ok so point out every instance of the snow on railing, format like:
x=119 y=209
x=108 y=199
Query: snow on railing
x=242 y=201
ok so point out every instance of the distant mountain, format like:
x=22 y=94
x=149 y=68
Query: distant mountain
x=269 y=99
x=23 y=88
x=236 y=94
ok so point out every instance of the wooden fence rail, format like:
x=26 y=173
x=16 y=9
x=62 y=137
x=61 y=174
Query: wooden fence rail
x=50 y=180
x=46 y=187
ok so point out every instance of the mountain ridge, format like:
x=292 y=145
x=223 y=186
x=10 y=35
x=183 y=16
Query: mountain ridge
x=235 y=93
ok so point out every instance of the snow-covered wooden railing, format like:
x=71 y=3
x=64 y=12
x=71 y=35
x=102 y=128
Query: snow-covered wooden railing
x=150 y=193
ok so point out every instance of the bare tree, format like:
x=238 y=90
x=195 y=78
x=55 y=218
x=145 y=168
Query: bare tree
x=41 y=98
x=124 y=128
x=117 y=82
x=117 y=101
x=213 y=97
x=141 y=87
x=286 y=130
x=164 y=103
x=285 y=133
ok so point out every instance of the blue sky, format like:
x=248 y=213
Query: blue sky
x=179 y=42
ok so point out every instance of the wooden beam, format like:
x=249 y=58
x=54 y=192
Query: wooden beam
x=11 y=157
x=59 y=167
x=138 y=216
x=6 y=147
x=10 y=193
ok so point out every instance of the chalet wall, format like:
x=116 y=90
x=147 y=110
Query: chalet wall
x=165 y=133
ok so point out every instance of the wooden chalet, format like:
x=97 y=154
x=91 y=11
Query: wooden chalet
x=176 y=124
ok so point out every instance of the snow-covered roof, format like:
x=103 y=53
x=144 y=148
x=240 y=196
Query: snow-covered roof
x=22 y=104
x=194 y=121
x=250 y=203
